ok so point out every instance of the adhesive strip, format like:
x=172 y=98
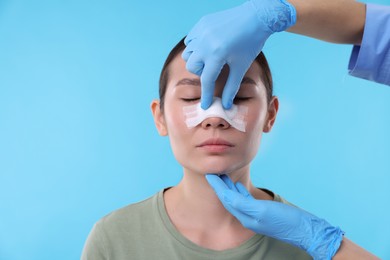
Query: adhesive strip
x=236 y=116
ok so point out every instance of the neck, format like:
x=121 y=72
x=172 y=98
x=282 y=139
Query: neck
x=198 y=214
x=195 y=202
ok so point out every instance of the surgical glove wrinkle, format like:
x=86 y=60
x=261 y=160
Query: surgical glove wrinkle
x=234 y=37
x=278 y=220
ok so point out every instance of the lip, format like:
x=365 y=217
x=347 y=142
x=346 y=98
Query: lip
x=215 y=141
x=215 y=145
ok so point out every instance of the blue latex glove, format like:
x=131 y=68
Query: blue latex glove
x=234 y=37
x=280 y=221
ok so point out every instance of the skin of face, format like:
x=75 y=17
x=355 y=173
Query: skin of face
x=227 y=150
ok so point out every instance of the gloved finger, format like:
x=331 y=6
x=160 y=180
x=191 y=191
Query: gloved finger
x=209 y=75
x=196 y=31
x=190 y=48
x=226 y=179
x=220 y=187
x=243 y=218
x=233 y=201
x=187 y=39
x=233 y=83
x=216 y=183
x=242 y=189
x=193 y=34
x=186 y=54
x=246 y=205
x=195 y=64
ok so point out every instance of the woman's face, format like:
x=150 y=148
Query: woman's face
x=213 y=146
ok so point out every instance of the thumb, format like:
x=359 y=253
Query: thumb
x=216 y=183
x=242 y=189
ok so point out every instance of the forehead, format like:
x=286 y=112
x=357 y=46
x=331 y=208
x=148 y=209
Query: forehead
x=177 y=71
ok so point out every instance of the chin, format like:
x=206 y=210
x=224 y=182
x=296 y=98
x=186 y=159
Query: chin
x=204 y=169
x=220 y=169
x=215 y=165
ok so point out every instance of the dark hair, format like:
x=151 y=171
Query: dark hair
x=180 y=46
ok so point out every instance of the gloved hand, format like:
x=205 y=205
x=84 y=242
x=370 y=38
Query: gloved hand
x=280 y=221
x=234 y=37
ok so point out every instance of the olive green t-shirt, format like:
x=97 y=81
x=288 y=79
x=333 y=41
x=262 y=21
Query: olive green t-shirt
x=144 y=231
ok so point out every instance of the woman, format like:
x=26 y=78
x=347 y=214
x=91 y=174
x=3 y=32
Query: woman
x=188 y=221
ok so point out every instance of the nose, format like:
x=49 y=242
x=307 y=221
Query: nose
x=215 y=122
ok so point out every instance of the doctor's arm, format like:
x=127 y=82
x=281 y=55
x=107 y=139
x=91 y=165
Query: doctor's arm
x=338 y=21
x=210 y=45
x=349 y=250
x=347 y=21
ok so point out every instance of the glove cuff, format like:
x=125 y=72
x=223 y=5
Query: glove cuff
x=278 y=15
x=327 y=244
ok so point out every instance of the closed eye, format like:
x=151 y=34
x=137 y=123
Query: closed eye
x=190 y=99
x=241 y=99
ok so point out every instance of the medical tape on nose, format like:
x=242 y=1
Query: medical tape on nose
x=236 y=116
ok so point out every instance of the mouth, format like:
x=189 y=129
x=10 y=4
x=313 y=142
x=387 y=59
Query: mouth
x=215 y=145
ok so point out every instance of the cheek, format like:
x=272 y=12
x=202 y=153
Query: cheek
x=179 y=135
x=253 y=135
x=174 y=118
x=255 y=120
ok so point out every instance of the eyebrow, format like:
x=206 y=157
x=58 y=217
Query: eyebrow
x=196 y=81
x=189 y=81
x=247 y=80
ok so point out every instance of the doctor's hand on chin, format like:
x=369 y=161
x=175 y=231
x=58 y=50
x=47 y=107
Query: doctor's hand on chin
x=285 y=223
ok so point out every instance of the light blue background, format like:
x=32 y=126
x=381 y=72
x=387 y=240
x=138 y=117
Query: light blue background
x=77 y=139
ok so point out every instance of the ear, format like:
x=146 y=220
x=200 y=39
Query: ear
x=271 y=114
x=158 y=116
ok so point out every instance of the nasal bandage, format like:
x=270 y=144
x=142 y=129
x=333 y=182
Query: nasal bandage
x=235 y=116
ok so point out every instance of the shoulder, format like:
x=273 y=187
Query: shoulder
x=130 y=210
x=277 y=197
x=118 y=234
x=130 y=215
